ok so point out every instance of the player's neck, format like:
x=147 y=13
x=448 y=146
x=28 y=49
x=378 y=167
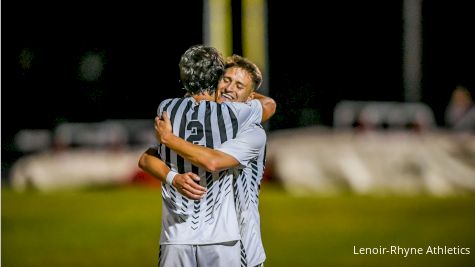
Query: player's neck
x=204 y=96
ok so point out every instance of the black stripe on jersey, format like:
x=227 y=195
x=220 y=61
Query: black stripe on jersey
x=234 y=122
x=180 y=162
x=159 y=254
x=222 y=127
x=175 y=109
x=263 y=169
x=209 y=179
x=172 y=119
x=209 y=195
x=209 y=140
x=226 y=188
x=209 y=208
x=194 y=116
x=210 y=201
x=264 y=158
x=172 y=192
x=160 y=113
x=245 y=188
x=255 y=191
x=170 y=205
x=208 y=129
x=237 y=202
x=195 y=170
x=243 y=255
x=167 y=105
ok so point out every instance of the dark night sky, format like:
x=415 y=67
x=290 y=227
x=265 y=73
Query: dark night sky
x=319 y=54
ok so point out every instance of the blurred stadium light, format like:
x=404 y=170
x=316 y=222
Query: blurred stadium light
x=217 y=25
x=91 y=67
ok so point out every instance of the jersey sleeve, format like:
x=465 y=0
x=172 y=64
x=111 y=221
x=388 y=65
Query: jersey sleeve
x=162 y=105
x=160 y=109
x=246 y=145
x=248 y=113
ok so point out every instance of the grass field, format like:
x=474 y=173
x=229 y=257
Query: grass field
x=121 y=227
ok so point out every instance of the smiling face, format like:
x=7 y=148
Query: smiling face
x=235 y=85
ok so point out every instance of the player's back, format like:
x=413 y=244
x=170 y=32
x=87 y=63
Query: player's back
x=213 y=218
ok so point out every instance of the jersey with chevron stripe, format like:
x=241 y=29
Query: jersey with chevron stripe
x=211 y=219
x=246 y=186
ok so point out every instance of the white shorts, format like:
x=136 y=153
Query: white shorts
x=223 y=254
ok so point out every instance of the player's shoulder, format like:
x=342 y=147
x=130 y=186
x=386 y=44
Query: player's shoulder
x=175 y=100
x=169 y=103
x=255 y=134
x=256 y=127
x=242 y=105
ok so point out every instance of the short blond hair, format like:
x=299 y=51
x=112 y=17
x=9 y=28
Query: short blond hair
x=236 y=61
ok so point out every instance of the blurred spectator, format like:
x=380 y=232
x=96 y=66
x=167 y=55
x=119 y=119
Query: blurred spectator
x=460 y=112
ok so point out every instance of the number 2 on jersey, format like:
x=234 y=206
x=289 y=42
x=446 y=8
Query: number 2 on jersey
x=196 y=134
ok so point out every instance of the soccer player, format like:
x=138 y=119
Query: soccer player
x=202 y=232
x=239 y=83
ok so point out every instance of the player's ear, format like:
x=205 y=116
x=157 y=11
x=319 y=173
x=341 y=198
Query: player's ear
x=217 y=95
x=251 y=96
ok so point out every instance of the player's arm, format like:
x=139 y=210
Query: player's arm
x=268 y=106
x=184 y=183
x=207 y=158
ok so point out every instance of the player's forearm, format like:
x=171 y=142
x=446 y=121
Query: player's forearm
x=268 y=106
x=207 y=158
x=153 y=165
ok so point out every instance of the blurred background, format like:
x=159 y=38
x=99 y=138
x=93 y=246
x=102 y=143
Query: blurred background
x=372 y=143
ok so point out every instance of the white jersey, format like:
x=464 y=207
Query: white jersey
x=246 y=192
x=211 y=219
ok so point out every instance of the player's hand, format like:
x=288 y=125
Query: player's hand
x=163 y=127
x=187 y=185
